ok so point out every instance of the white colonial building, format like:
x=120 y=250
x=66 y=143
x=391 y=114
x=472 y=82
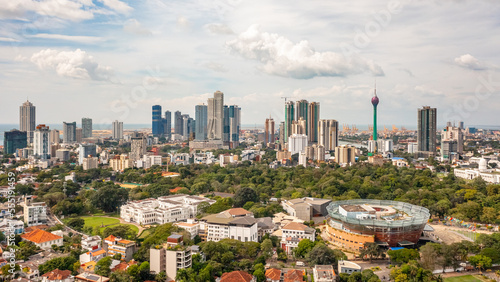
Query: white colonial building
x=293 y=233
x=488 y=175
x=237 y=223
x=163 y=209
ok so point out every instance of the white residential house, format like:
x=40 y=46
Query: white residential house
x=43 y=239
x=293 y=233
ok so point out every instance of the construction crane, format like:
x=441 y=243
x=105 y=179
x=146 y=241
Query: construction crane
x=285 y=98
x=394 y=128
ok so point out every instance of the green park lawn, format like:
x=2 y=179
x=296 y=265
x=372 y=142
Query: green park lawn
x=465 y=278
x=93 y=221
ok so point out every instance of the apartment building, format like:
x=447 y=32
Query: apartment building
x=324 y=273
x=35 y=213
x=116 y=245
x=236 y=223
x=170 y=257
x=306 y=208
x=91 y=242
x=163 y=209
x=293 y=233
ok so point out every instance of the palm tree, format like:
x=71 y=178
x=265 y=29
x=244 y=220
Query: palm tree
x=371 y=250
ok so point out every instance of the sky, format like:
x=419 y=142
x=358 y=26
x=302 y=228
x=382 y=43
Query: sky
x=114 y=59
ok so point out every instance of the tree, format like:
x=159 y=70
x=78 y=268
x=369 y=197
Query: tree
x=304 y=247
x=371 y=250
x=403 y=256
x=61 y=263
x=122 y=276
x=123 y=231
x=411 y=272
x=8 y=271
x=161 y=277
x=76 y=223
x=429 y=255
x=102 y=267
x=117 y=256
x=481 y=262
x=322 y=254
x=259 y=272
x=245 y=195
x=109 y=198
x=267 y=247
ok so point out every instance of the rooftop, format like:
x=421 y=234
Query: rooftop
x=40 y=236
x=57 y=274
x=236 y=276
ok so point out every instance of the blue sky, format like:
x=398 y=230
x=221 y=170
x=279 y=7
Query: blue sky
x=112 y=59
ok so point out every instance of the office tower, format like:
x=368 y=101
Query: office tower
x=117 y=130
x=86 y=151
x=345 y=154
x=461 y=125
x=328 y=136
x=69 y=132
x=215 y=113
x=137 y=147
x=41 y=143
x=297 y=143
x=234 y=113
x=269 y=131
x=301 y=111
x=187 y=124
x=79 y=135
x=225 y=125
x=86 y=127
x=281 y=134
x=299 y=126
x=452 y=133
x=157 y=122
x=289 y=118
x=448 y=148
x=13 y=140
x=55 y=136
x=375 y=102
x=27 y=119
x=167 y=125
x=200 y=115
x=426 y=131
x=178 y=126
x=312 y=122
x=89 y=163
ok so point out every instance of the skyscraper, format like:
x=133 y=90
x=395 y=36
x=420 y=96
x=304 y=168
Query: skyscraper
x=375 y=102
x=27 y=119
x=215 y=113
x=78 y=135
x=41 y=143
x=289 y=118
x=86 y=127
x=299 y=126
x=157 y=122
x=137 y=147
x=178 y=123
x=312 y=122
x=328 y=130
x=281 y=133
x=117 y=130
x=55 y=136
x=426 y=131
x=167 y=125
x=452 y=133
x=234 y=113
x=301 y=110
x=269 y=131
x=186 y=126
x=13 y=140
x=86 y=150
x=69 y=132
x=200 y=115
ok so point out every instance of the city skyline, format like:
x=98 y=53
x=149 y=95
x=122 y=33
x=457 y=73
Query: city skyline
x=418 y=52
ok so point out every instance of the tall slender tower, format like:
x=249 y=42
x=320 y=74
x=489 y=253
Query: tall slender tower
x=375 y=101
x=27 y=120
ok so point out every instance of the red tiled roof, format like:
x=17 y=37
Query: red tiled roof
x=295 y=226
x=40 y=236
x=238 y=211
x=175 y=190
x=273 y=274
x=236 y=276
x=294 y=275
x=110 y=238
x=57 y=274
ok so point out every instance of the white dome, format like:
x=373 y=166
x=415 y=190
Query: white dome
x=483 y=164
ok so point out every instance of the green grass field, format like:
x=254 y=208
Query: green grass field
x=93 y=221
x=465 y=278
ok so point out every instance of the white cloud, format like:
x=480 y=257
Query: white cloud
x=8 y=39
x=134 y=26
x=218 y=28
x=182 y=22
x=74 y=38
x=467 y=61
x=215 y=67
x=282 y=57
x=117 y=6
x=72 y=10
x=74 y=64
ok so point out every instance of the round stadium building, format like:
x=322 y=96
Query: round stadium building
x=353 y=223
